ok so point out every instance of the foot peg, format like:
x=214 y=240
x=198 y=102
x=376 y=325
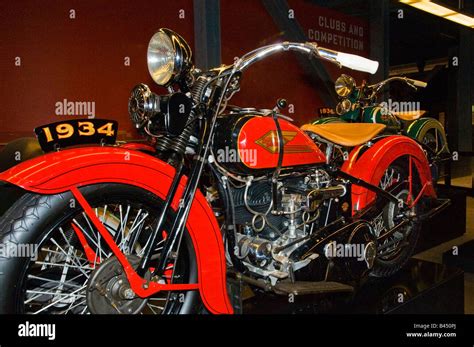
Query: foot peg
x=305 y=288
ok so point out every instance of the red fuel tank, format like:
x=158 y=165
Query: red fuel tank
x=244 y=143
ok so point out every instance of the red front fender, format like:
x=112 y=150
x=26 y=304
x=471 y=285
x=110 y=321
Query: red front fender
x=371 y=165
x=59 y=172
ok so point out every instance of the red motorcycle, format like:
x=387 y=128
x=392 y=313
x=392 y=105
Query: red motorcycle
x=217 y=195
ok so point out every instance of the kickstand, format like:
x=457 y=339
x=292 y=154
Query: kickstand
x=234 y=288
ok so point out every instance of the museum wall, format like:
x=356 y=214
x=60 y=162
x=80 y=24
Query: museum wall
x=78 y=59
x=282 y=76
x=90 y=52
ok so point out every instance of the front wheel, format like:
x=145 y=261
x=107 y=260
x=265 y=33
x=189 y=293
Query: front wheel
x=60 y=278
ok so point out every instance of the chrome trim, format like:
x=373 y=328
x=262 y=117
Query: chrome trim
x=261 y=53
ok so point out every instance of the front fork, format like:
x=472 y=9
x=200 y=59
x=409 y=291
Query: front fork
x=151 y=244
x=138 y=284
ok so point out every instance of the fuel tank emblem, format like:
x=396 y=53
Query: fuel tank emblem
x=269 y=142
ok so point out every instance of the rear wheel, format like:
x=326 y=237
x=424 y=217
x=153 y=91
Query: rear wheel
x=394 y=250
x=63 y=280
x=435 y=140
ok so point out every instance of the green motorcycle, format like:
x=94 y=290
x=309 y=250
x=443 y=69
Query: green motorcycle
x=359 y=104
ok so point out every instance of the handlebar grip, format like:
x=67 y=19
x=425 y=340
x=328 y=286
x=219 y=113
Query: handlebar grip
x=417 y=83
x=356 y=62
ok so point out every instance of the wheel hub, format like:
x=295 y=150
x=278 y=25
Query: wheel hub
x=394 y=210
x=108 y=289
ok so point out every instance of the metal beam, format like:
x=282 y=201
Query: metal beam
x=379 y=37
x=354 y=8
x=278 y=10
x=335 y=3
x=207 y=33
x=464 y=89
x=460 y=93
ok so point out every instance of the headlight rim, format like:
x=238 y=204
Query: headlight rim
x=182 y=57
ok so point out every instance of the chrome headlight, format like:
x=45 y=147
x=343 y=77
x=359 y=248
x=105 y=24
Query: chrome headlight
x=343 y=107
x=344 y=85
x=168 y=57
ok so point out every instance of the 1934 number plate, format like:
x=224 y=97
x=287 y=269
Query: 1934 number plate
x=76 y=132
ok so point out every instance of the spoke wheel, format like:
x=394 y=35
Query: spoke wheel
x=64 y=279
x=435 y=141
x=394 y=250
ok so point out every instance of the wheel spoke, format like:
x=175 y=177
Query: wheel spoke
x=34 y=297
x=123 y=225
x=53 y=281
x=90 y=238
x=31 y=291
x=158 y=307
x=78 y=265
x=83 y=302
x=48 y=250
x=81 y=268
x=58 y=301
x=136 y=226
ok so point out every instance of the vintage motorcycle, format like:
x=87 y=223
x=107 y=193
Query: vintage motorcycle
x=359 y=104
x=218 y=197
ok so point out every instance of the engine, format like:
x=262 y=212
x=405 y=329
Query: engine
x=275 y=242
x=262 y=229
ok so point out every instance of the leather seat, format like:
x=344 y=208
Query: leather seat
x=409 y=115
x=345 y=134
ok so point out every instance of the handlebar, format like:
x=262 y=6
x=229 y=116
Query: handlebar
x=375 y=88
x=351 y=61
x=411 y=82
x=417 y=83
x=356 y=62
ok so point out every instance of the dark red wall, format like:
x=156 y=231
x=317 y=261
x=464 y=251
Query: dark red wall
x=79 y=59
x=246 y=25
x=82 y=59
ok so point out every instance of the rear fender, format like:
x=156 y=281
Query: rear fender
x=369 y=164
x=418 y=129
x=19 y=150
x=59 y=172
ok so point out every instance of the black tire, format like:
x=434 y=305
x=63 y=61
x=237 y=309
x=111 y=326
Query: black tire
x=389 y=265
x=34 y=219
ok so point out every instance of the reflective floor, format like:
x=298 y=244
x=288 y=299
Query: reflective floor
x=435 y=254
x=421 y=287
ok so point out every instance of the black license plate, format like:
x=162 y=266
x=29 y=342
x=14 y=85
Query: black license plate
x=75 y=132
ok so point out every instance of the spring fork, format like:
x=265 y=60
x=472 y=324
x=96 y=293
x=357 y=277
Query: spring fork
x=143 y=266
